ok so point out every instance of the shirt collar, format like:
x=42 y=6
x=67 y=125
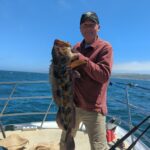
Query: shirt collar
x=93 y=45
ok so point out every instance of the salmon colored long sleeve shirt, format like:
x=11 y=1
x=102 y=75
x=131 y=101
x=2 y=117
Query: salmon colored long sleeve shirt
x=90 y=89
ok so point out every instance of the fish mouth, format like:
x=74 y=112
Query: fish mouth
x=61 y=43
x=63 y=49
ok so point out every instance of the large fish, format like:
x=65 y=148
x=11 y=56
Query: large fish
x=63 y=61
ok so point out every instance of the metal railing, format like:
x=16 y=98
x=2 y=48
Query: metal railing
x=129 y=106
x=10 y=98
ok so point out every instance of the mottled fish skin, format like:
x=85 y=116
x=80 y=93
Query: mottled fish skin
x=61 y=81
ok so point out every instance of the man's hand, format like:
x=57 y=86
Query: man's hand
x=75 y=56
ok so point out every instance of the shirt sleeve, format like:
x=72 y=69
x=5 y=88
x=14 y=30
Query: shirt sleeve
x=101 y=70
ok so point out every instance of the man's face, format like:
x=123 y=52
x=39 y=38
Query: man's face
x=89 y=31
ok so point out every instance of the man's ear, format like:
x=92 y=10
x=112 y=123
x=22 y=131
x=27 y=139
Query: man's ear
x=98 y=27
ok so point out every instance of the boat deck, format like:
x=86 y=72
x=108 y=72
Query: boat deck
x=49 y=137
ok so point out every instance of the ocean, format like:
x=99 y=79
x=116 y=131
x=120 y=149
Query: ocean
x=137 y=91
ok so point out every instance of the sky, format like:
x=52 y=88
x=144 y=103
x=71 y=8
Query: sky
x=28 y=29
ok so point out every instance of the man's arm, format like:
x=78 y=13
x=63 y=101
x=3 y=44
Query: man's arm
x=101 y=70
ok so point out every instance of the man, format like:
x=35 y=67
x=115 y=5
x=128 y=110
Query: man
x=90 y=87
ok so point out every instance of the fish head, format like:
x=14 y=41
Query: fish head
x=62 y=51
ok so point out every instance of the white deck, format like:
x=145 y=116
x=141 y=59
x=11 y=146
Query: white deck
x=50 y=136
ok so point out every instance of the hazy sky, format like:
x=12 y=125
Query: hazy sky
x=28 y=29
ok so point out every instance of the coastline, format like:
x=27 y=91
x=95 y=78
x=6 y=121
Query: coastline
x=133 y=76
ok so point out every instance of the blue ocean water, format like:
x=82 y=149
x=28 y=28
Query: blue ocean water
x=116 y=98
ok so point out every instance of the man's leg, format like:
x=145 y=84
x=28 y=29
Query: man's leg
x=96 y=129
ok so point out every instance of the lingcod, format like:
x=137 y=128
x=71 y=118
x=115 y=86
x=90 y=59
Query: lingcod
x=61 y=70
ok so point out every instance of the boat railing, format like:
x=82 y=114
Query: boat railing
x=129 y=134
x=10 y=98
x=47 y=111
x=126 y=87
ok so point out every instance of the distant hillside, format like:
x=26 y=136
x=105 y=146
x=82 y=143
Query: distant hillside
x=131 y=76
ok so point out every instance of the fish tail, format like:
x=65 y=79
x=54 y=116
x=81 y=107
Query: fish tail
x=69 y=141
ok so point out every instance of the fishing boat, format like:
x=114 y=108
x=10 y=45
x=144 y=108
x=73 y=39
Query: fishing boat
x=32 y=133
